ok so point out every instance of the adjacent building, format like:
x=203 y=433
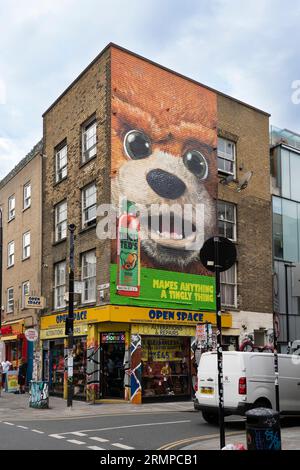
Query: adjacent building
x=134 y=134
x=285 y=167
x=21 y=216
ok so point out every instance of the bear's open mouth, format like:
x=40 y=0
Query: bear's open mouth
x=169 y=229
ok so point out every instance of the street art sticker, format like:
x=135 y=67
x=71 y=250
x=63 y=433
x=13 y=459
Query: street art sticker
x=136 y=369
x=39 y=395
x=93 y=370
x=164 y=137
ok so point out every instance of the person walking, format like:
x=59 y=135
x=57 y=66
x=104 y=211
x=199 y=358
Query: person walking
x=22 y=372
x=5 y=368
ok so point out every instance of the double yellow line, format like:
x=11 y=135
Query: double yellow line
x=173 y=445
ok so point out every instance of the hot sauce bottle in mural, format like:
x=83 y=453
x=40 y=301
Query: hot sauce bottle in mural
x=128 y=251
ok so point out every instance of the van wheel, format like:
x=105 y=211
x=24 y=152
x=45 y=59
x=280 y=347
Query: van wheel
x=210 y=417
x=262 y=403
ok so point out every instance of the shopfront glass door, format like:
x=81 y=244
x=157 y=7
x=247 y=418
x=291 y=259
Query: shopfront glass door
x=56 y=367
x=112 y=365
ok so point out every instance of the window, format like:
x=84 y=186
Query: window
x=229 y=287
x=61 y=162
x=227 y=220
x=11 y=254
x=26 y=245
x=89 y=140
x=89 y=196
x=226 y=156
x=10 y=300
x=27 y=196
x=277 y=228
x=11 y=207
x=59 y=284
x=88 y=275
x=61 y=221
x=25 y=291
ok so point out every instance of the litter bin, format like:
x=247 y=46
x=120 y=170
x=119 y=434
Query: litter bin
x=263 y=429
x=39 y=394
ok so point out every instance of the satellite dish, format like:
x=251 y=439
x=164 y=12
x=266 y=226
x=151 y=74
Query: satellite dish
x=226 y=180
x=243 y=183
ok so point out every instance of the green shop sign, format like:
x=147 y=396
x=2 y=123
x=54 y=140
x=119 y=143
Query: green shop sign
x=168 y=289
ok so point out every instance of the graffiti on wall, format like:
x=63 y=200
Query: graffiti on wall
x=163 y=160
x=39 y=395
x=136 y=369
x=93 y=370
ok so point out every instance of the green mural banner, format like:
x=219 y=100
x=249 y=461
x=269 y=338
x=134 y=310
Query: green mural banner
x=168 y=289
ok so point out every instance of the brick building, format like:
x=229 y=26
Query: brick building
x=21 y=212
x=127 y=127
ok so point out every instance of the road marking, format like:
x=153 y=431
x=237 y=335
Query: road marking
x=23 y=427
x=79 y=434
x=73 y=441
x=99 y=439
x=126 y=427
x=206 y=437
x=122 y=446
x=10 y=424
x=37 y=431
x=95 y=448
x=57 y=436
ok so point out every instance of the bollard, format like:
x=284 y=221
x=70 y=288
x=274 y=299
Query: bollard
x=263 y=429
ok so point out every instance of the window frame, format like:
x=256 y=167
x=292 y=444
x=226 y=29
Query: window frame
x=11 y=198
x=57 y=223
x=223 y=156
x=232 y=284
x=8 y=300
x=87 y=279
x=26 y=198
x=227 y=221
x=86 y=223
x=23 y=294
x=25 y=247
x=9 y=254
x=57 y=286
x=58 y=151
x=85 y=152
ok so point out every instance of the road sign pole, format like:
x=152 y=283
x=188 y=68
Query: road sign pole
x=70 y=318
x=219 y=344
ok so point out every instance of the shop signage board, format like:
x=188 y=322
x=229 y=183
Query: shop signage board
x=31 y=334
x=12 y=381
x=33 y=301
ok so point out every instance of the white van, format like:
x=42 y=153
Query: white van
x=248 y=383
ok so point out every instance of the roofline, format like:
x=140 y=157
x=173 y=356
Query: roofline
x=123 y=49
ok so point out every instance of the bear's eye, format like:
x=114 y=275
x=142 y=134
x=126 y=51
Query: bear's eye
x=137 y=145
x=196 y=163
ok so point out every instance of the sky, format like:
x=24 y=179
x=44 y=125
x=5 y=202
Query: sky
x=247 y=49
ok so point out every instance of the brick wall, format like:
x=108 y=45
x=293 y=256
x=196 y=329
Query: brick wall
x=88 y=96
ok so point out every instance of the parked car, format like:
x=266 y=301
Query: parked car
x=248 y=383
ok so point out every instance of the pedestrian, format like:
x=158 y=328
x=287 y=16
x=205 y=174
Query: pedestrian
x=5 y=368
x=22 y=372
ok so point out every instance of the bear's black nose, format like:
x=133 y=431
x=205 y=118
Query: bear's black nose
x=165 y=184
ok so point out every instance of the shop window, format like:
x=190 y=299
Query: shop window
x=10 y=300
x=229 y=287
x=89 y=140
x=59 y=284
x=26 y=245
x=88 y=273
x=89 y=200
x=226 y=156
x=166 y=367
x=227 y=220
x=11 y=254
x=61 y=211
x=27 y=196
x=79 y=368
x=11 y=207
x=56 y=367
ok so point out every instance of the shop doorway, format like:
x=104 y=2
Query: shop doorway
x=112 y=364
